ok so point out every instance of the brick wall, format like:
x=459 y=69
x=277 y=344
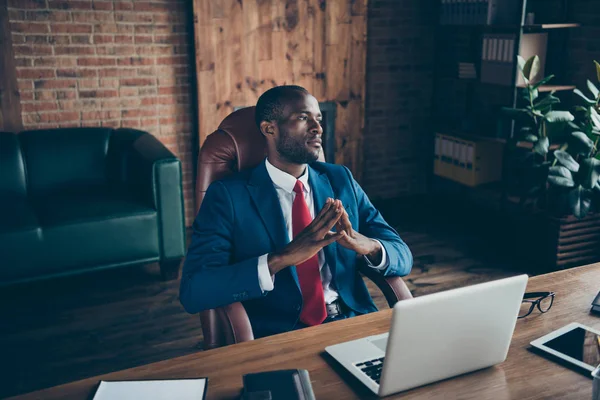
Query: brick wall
x=126 y=63
x=108 y=63
x=400 y=60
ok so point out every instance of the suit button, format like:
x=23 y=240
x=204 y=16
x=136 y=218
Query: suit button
x=298 y=308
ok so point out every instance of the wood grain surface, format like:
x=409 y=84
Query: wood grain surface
x=245 y=47
x=523 y=375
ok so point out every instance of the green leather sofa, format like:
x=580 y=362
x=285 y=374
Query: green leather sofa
x=82 y=199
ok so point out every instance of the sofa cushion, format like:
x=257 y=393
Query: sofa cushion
x=64 y=157
x=90 y=227
x=20 y=237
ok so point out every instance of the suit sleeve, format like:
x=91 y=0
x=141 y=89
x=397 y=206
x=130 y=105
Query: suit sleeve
x=372 y=225
x=209 y=279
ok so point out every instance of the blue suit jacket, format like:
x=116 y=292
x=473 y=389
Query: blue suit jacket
x=241 y=219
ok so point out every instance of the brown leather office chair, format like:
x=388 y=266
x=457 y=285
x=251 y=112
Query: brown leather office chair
x=236 y=145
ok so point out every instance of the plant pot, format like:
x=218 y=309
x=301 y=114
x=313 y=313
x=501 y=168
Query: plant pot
x=549 y=243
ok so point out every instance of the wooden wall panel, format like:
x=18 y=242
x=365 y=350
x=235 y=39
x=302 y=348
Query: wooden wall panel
x=10 y=100
x=245 y=47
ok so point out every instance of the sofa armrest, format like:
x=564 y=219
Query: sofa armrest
x=154 y=174
x=393 y=287
x=225 y=325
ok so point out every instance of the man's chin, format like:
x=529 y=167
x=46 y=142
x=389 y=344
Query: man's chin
x=313 y=156
x=302 y=157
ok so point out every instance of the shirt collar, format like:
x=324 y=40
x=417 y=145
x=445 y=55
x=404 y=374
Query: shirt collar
x=284 y=180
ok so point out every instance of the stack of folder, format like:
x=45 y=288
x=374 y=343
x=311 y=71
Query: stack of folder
x=466 y=71
x=498 y=56
x=497 y=59
x=468 y=160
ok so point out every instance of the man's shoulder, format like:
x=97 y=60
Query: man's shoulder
x=333 y=171
x=235 y=180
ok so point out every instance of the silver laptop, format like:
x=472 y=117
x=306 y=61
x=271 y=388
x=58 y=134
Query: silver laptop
x=437 y=336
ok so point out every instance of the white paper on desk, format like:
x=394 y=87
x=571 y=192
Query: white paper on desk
x=180 y=389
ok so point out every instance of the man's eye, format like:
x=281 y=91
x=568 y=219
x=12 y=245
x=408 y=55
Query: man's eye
x=303 y=117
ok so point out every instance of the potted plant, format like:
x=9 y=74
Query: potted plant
x=539 y=124
x=576 y=169
x=561 y=174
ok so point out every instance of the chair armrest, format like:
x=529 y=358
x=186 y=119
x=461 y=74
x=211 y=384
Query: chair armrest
x=153 y=173
x=225 y=325
x=393 y=287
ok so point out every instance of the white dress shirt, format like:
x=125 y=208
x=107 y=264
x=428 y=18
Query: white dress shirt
x=284 y=186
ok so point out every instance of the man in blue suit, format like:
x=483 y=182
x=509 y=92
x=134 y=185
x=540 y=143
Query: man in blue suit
x=284 y=237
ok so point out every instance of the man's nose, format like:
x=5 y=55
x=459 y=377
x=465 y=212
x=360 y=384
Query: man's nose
x=316 y=127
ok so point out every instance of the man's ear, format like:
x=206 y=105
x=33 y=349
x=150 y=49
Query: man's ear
x=267 y=128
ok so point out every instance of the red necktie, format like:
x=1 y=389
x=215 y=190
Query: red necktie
x=309 y=277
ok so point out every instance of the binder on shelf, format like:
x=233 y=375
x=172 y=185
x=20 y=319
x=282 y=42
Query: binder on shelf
x=503 y=12
x=466 y=70
x=479 y=12
x=469 y=160
x=497 y=64
x=497 y=56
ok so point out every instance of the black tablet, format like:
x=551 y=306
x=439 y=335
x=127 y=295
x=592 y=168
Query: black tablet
x=575 y=343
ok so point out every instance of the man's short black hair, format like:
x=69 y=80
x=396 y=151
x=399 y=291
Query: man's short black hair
x=271 y=103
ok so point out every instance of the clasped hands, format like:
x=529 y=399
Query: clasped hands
x=318 y=234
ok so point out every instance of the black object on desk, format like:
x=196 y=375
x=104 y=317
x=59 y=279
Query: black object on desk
x=288 y=384
x=596 y=304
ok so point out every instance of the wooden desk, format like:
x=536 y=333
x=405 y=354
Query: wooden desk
x=523 y=375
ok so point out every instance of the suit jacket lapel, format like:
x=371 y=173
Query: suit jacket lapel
x=263 y=194
x=321 y=188
x=266 y=201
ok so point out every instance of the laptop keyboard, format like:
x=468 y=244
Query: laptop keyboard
x=372 y=368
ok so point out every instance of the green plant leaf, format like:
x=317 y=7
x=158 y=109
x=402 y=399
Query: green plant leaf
x=574 y=125
x=547 y=100
x=559 y=116
x=520 y=62
x=516 y=113
x=560 y=181
x=541 y=146
x=567 y=160
x=537 y=113
x=543 y=81
x=559 y=170
x=593 y=89
x=583 y=144
x=597 y=70
x=595 y=117
x=589 y=173
x=530 y=138
x=531 y=67
x=580 y=201
x=534 y=94
x=584 y=97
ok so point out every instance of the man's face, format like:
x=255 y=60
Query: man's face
x=299 y=131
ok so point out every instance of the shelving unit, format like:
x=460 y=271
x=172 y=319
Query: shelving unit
x=549 y=88
x=472 y=107
x=542 y=27
x=470 y=104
